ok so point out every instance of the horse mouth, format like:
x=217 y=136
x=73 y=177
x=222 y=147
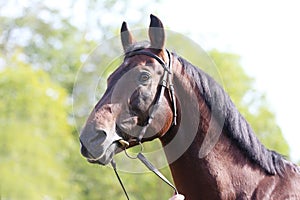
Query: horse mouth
x=107 y=156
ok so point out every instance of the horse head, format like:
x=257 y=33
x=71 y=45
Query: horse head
x=135 y=106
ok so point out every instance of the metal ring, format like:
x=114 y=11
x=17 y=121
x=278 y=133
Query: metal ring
x=134 y=157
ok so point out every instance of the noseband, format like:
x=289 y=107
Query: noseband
x=166 y=82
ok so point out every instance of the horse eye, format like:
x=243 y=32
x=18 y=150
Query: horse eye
x=144 y=77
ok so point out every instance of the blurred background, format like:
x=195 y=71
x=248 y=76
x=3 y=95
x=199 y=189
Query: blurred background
x=43 y=44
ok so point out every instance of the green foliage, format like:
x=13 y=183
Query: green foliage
x=35 y=139
x=48 y=41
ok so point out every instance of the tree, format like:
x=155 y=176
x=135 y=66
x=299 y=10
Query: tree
x=35 y=139
x=46 y=40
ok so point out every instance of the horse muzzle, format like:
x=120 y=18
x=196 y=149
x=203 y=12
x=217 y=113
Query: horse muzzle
x=100 y=147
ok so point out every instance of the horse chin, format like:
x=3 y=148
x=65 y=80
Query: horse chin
x=107 y=157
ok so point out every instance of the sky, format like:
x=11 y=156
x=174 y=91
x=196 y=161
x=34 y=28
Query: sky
x=266 y=34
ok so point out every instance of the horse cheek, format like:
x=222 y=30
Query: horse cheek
x=140 y=101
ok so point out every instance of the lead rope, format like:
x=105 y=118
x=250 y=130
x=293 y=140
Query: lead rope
x=151 y=167
x=113 y=164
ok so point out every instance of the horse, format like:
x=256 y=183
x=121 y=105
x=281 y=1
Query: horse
x=211 y=149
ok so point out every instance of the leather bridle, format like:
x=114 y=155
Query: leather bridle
x=166 y=83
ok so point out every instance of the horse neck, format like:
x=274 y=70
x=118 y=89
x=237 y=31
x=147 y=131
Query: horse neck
x=197 y=174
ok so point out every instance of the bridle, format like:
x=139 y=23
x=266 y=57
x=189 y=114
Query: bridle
x=166 y=83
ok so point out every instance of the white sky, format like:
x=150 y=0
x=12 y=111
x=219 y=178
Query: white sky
x=265 y=33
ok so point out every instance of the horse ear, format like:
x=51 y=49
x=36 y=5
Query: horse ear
x=156 y=33
x=126 y=36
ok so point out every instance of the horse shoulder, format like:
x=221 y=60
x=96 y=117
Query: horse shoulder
x=276 y=187
x=265 y=188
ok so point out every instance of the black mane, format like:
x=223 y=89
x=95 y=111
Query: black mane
x=235 y=124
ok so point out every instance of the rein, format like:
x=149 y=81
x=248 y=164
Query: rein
x=166 y=83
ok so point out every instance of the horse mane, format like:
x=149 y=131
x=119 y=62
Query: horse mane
x=237 y=128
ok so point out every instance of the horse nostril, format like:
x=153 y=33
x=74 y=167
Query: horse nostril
x=100 y=136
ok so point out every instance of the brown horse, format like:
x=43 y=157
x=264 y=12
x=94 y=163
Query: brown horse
x=212 y=150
